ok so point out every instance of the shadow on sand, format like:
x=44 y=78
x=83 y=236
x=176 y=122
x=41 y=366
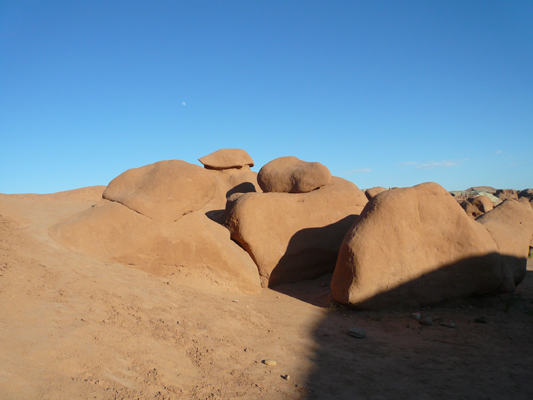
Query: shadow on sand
x=476 y=348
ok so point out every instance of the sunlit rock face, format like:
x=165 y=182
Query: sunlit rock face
x=414 y=246
x=157 y=218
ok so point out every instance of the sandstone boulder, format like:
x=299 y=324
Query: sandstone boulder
x=471 y=210
x=511 y=226
x=372 y=192
x=483 y=203
x=294 y=237
x=292 y=175
x=226 y=159
x=414 y=246
x=193 y=245
x=164 y=191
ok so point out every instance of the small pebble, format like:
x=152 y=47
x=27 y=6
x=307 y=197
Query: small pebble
x=235 y=301
x=270 y=362
x=416 y=315
x=286 y=377
x=449 y=324
x=357 y=333
x=426 y=321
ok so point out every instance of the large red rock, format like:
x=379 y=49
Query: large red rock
x=414 y=246
x=193 y=243
x=227 y=158
x=294 y=237
x=511 y=226
x=292 y=175
x=164 y=191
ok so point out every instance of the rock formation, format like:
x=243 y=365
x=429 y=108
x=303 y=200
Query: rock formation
x=504 y=194
x=294 y=236
x=414 y=246
x=154 y=218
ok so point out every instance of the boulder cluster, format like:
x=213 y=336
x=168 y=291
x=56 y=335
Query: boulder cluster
x=294 y=221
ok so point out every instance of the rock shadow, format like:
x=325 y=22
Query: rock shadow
x=311 y=252
x=477 y=347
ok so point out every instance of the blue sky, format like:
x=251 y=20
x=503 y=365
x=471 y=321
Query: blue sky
x=384 y=93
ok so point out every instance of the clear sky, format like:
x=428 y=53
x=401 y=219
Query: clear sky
x=384 y=93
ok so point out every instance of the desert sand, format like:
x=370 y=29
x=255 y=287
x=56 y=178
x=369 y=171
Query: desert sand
x=75 y=326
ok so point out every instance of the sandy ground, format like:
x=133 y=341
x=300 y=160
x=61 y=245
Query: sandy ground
x=76 y=327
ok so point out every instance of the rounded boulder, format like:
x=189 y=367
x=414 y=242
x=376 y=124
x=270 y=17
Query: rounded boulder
x=292 y=175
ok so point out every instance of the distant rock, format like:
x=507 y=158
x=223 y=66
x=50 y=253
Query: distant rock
x=471 y=210
x=414 y=246
x=370 y=193
x=489 y=189
x=292 y=175
x=511 y=226
x=483 y=203
x=504 y=194
x=294 y=236
x=528 y=193
x=226 y=159
x=477 y=206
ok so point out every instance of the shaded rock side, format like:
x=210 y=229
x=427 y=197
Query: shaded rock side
x=293 y=237
x=194 y=243
x=471 y=210
x=414 y=246
x=292 y=175
x=164 y=191
x=528 y=193
x=227 y=158
x=511 y=226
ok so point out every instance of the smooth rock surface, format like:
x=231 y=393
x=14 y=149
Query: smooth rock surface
x=194 y=243
x=164 y=191
x=226 y=159
x=292 y=175
x=414 y=246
